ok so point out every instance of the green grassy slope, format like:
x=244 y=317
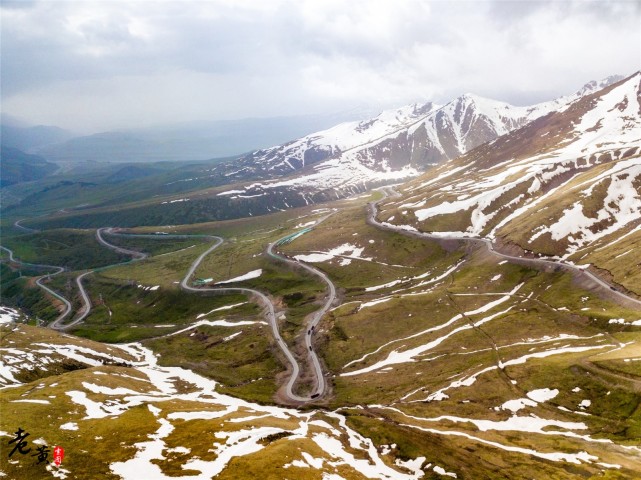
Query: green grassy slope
x=428 y=348
x=73 y=249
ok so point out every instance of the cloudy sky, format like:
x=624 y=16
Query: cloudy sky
x=97 y=65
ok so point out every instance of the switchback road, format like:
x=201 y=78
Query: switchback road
x=58 y=270
x=260 y=298
x=315 y=319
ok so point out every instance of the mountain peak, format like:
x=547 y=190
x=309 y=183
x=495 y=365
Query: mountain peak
x=473 y=97
x=596 y=85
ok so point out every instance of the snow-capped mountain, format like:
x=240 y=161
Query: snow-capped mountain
x=566 y=184
x=596 y=85
x=342 y=138
x=396 y=145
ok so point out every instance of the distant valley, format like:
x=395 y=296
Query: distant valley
x=179 y=142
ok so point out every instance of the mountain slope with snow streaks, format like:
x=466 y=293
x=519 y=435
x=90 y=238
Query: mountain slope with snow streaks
x=561 y=184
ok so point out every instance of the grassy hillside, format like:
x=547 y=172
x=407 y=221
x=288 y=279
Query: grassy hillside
x=95 y=185
x=152 y=245
x=18 y=290
x=440 y=358
x=70 y=248
x=19 y=167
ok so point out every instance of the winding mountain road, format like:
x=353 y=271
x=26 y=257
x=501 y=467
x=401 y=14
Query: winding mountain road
x=86 y=300
x=259 y=297
x=39 y=266
x=390 y=192
x=315 y=319
x=23 y=228
x=125 y=251
x=85 y=310
x=58 y=323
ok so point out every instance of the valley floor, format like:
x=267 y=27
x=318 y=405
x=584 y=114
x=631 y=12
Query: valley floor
x=441 y=361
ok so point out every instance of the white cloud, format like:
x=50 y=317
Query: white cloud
x=103 y=64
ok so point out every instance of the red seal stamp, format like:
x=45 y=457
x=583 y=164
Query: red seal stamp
x=58 y=455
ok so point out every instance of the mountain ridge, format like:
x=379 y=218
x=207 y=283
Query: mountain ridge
x=19 y=166
x=406 y=140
